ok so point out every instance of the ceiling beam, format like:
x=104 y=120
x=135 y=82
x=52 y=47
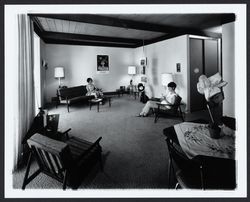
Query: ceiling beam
x=172 y=35
x=82 y=37
x=228 y=18
x=90 y=40
x=85 y=43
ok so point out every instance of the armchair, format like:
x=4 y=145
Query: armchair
x=174 y=110
x=66 y=161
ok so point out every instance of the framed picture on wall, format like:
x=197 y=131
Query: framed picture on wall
x=143 y=61
x=102 y=64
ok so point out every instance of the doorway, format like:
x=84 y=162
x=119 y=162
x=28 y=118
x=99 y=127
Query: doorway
x=204 y=59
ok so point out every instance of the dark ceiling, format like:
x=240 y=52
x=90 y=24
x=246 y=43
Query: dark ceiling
x=124 y=30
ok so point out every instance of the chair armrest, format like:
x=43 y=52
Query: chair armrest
x=66 y=133
x=96 y=143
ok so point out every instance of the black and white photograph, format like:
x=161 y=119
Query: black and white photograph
x=143 y=101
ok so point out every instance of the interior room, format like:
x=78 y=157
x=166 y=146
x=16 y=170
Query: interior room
x=89 y=102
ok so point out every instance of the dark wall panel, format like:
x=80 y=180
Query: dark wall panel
x=211 y=57
x=196 y=69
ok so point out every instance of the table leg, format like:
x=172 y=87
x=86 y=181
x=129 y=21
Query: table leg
x=89 y=105
x=98 y=103
x=109 y=102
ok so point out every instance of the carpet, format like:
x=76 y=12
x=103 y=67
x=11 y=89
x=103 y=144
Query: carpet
x=134 y=148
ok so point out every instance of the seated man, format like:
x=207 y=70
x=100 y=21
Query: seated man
x=168 y=99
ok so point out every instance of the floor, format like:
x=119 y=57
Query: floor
x=134 y=149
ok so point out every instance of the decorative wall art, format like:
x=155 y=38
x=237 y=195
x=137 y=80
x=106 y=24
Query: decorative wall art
x=144 y=62
x=103 y=64
x=143 y=65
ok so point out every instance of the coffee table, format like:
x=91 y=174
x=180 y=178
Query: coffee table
x=95 y=101
x=98 y=101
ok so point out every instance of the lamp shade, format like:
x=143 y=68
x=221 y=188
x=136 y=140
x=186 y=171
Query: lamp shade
x=59 y=72
x=132 y=70
x=166 y=78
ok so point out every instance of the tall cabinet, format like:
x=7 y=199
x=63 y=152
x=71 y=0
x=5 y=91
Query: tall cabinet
x=204 y=57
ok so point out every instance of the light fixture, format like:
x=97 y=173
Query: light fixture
x=166 y=78
x=59 y=73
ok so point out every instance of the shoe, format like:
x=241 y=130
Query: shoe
x=139 y=115
x=143 y=115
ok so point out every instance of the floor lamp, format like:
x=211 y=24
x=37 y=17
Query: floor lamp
x=59 y=73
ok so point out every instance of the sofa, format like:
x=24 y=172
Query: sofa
x=73 y=95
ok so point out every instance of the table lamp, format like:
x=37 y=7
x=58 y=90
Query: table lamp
x=59 y=73
x=166 y=78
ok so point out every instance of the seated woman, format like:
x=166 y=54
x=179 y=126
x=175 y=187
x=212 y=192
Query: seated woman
x=92 y=90
x=168 y=99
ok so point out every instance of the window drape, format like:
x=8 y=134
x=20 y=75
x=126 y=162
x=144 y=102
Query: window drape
x=26 y=99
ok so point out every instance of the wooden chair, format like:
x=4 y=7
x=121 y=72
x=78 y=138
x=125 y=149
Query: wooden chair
x=173 y=110
x=179 y=164
x=201 y=172
x=67 y=162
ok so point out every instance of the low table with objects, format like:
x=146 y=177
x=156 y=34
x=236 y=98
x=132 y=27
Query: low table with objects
x=99 y=101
